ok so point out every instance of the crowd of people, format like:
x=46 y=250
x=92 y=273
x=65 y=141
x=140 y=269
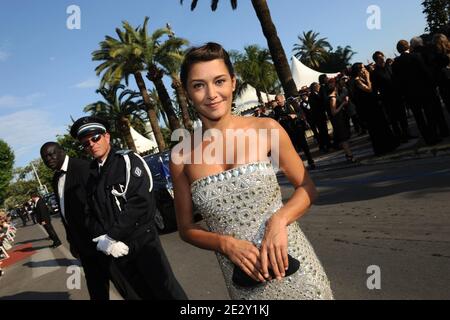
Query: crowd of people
x=26 y=213
x=35 y=210
x=374 y=98
x=7 y=235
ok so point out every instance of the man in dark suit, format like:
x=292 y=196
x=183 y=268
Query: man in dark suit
x=320 y=116
x=69 y=183
x=416 y=85
x=383 y=84
x=43 y=217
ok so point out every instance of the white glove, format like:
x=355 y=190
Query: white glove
x=119 y=249
x=104 y=244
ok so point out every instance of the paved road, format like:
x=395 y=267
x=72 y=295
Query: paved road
x=395 y=216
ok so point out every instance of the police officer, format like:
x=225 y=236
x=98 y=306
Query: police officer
x=120 y=216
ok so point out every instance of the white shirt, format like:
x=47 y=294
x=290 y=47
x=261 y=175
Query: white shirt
x=61 y=184
x=101 y=164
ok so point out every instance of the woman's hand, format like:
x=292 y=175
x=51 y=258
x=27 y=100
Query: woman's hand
x=246 y=256
x=274 y=247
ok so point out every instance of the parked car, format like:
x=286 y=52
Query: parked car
x=165 y=217
x=52 y=203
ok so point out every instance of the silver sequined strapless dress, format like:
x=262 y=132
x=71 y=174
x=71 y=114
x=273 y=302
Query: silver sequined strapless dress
x=238 y=202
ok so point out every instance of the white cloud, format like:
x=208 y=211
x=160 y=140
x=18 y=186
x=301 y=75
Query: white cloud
x=25 y=131
x=9 y=101
x=88 y=84
x=4 y=55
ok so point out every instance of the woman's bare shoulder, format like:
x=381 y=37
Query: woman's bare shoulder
x=262 y=123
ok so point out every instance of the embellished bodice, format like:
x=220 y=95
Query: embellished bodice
x=239 y=201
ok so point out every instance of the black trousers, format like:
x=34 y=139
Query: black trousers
x=146 y=275
x=300 y=141
x=442 y=126
x=429 y=117
x=320 y=128
x=396 y=112
x=24 y=220
x=51 y=232
x=314 y=128
x=96 y=271
x=444 y=89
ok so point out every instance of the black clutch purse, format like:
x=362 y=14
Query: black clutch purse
x=241 y=279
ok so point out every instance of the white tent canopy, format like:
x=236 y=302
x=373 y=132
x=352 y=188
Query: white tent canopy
x=142 y=143
x=249 y=99
x=304 y=76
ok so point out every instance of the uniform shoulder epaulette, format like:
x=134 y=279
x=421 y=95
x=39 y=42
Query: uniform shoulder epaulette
x=123 y=152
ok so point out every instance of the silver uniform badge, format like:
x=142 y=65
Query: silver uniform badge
x=138 y=172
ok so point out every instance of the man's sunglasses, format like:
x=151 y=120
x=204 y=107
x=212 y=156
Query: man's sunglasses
x=93 y=139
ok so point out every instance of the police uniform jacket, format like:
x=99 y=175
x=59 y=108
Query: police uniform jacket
x=128 y=219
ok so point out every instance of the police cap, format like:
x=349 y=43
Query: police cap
x=88 y=125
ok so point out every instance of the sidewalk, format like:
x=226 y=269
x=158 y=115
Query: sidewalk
x=363 y=152
x=35 y=271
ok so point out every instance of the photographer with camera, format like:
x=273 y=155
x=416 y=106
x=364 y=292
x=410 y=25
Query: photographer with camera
x=291 y=118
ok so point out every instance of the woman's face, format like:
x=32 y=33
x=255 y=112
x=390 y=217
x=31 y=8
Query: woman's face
x=210 y=87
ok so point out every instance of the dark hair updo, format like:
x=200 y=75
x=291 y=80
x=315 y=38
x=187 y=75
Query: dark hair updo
x=208 y=52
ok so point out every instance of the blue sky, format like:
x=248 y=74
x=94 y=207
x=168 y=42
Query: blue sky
x=47 y=76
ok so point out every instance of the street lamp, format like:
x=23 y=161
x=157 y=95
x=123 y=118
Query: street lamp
x=43 y=188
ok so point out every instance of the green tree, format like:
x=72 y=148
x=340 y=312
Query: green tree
x=170 y=56
x=6 y=168
x=153 y=94
x=273 y=41
x=71 y=146
x=437 y=14
x=20 y=190
x=124 y=57
x=337 y=60
x=255 y=67
x=154 y=50
x=25 y=183
x=147 y=47
x=45 y=174
x=312 y=50
x=117 y=106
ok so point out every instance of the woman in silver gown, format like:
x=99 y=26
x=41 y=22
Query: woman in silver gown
x=238 y=195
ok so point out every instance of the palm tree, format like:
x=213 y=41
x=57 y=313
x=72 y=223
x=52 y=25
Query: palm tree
x=311 y=50
x=117 y=106
x=338 y=60
x=121 y=58
x=275 y=47
x=158 y=107
x=255 y=68
x=149 y=46
x=170 y=56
